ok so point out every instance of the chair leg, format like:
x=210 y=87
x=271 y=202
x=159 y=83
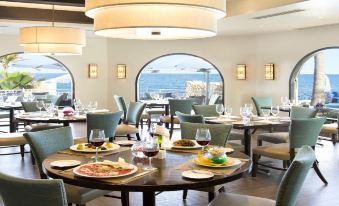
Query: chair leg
x=124 y=198
x=255 y=160
x=33 y=159
x=22 y=150
x=317 y=170
x=129 y=137
x=259 y=142
x=211 y=196
x=171 y=130
x=184 y=194
x=142 y=123
x=149 y=122
x=285 y=164
x=138 y=136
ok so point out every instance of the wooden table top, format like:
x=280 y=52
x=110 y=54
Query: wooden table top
x=167 y=178
x=37 y=119
x=251 y=125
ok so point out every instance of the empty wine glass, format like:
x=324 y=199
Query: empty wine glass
x=150 y=149
x=228 y=112
x=94 y=105
x=275 y=110
x=284 y=101
x=97 y=138
x=265 y=113
x=31 y=98
x=203 y=137
x=220 y=108
x=40 y=104
x=245 y=114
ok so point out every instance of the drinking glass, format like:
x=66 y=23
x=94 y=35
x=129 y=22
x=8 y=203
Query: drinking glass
x=97 y=138
x=220 y=108
x=275 y=110
x=228 y=112
x=291 y=102
x=284 y=101
x=203 y=137
x=150 y=149
x=40 y=105
x=49 y=107
x=266 y=113
x=245 y=113
x=31 y=98
x=94 y=105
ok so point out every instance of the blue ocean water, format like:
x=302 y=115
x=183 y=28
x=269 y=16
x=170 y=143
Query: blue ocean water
x=61 y=87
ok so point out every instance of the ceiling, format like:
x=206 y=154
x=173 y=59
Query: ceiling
x=245 y=17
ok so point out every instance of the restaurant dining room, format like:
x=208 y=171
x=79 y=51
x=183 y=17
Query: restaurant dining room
x=169 y=102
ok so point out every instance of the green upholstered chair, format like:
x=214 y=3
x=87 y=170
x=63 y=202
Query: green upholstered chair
x=189 y=118
x=176 y=105
x=30 y=106
x=17 y=191
x=214 y=99
x=206 y=110
x=121 y=104
x=260 y=102
x=301 y=132
x=131 y=124
x=282 y=137
x=13 y=139
x=47 y=142
x=289 y=187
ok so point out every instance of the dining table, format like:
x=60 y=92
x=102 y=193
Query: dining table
x=157 y=104
x=11 y=108
x=166 y=177
x=37 y=117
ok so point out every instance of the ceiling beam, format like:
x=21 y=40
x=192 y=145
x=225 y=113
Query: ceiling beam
x=31 y=14
x=79 y=3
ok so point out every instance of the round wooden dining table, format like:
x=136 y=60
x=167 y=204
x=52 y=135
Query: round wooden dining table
x=167 y=177
x=61 y=120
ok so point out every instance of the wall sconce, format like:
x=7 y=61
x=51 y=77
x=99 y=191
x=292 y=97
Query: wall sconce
x=241 y=71
x=269 y=72
x=121 y=71
x=92 y=71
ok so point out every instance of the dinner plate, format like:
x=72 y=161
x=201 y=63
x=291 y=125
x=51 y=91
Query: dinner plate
x=87 y=170
x=197 y=174
x=229 y=163
x=125 y=142
x=65 y=163
x=90 y=150
x=196 y=146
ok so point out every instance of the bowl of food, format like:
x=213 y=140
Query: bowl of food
x=184 y=143
x=217 y=155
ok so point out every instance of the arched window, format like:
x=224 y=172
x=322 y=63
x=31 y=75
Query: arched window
x=35 y=74
x=179 y=76
x=315 y=78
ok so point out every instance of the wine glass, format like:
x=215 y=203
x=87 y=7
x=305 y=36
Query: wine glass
x=228 y=112
x=150 y=149
x=97 y=138
x=266 y=113
x=220 y=108
x=31 y=98
x=275 y=110
x=203 y=137
x=284 y=101
x=94 y=105
x=48 y=107
x=40 y=104
x=245 y=114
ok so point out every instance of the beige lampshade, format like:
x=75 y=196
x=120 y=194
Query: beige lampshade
x=156 y=19
x=52 y=40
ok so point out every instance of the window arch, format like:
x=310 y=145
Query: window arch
x=180 y=75
x=303 y=75
x=36 y=74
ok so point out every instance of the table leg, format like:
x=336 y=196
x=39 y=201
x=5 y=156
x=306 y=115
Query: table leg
x=148 y=198
x=12 y=128
x=167 y=113
x=247 y=142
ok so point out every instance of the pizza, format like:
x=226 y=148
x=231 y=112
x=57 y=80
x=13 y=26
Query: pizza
x=184 y=143
x=101 y=170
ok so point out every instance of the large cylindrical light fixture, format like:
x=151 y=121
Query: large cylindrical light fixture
x=50 y=40
x=156 y=19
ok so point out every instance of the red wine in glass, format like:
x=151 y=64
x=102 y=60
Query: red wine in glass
x=150 y=153
x=97 y=142
x=203 y=142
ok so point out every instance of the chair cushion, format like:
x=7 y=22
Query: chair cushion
x=41 y=126
x=145 y=115
x=330 y=128
x=81 y=195
x=167 y=119
x=236 y=135
x=240 y=200
x=274 y=137
x=9 y=139
x=276 y=151
x=125 y=129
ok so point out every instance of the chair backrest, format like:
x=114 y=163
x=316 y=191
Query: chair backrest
x=46 y=142
x=59 y=99
x=295 y=176
x=260 y=102
x=206 y=110
x=305 y=131
x=19 y=191
x=105 y=121
x=134 y=112
x=214 y=99
x=189 y=118
x=30 y=106
x=180 y=105
x=302 y=112
x=119 y=100
x=219 y=132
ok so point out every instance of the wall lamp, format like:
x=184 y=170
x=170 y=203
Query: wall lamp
x=241 y=71
x=269 y=71
x=92 y=71
x=121 y=71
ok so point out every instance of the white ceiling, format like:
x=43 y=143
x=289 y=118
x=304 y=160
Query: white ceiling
x=317 y=13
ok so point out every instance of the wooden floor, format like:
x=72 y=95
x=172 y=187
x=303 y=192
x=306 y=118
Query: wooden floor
x=314 y=192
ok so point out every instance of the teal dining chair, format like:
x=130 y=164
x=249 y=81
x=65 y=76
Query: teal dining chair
x=121 y=104
x=206 y=110
x=301 y=132
x=47 y=142
x=105 y=121
x=30 y=106
x=288 y=190
x=176 y=105
x=17 y=191
x=131 y=124
x=189 y=118
x=260 y=102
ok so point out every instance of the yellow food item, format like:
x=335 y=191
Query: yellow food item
x=80 y=147
x=204 y=161
x=109 y=145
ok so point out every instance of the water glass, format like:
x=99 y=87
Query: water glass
x=245 y=114
x=40 y=104
x=97 y=138
x=275 y=110
x=284 y=101
x=266 y=113
x=31 y=98
x=150 y=149
x=228 y=112
x=203 y=137
x=220 y=108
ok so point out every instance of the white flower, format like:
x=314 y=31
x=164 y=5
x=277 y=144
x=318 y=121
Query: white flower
x=161 y=130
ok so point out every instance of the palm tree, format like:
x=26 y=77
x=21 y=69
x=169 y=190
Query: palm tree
x=319 y=78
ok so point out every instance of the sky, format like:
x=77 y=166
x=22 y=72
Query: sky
x=331 y=63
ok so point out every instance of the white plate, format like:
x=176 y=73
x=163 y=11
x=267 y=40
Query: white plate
x=125 y=142
x=229 y=163
x=75 y=171
x=197 y=174
x=185 y=147
x=65 y=163
x=89 y=150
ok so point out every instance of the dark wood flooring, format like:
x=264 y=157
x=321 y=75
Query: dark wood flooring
x=314 y=192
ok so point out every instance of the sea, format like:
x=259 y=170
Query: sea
x=61 y=87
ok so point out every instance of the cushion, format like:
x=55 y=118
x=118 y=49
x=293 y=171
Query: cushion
x=274 y=137
x=9 y=139
x=80 y=195
x=167 y=119
x=145 y=115
x=41 y=126
x=125 y=129
x=240 y=200
x=330 y=128
x=276 y=151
